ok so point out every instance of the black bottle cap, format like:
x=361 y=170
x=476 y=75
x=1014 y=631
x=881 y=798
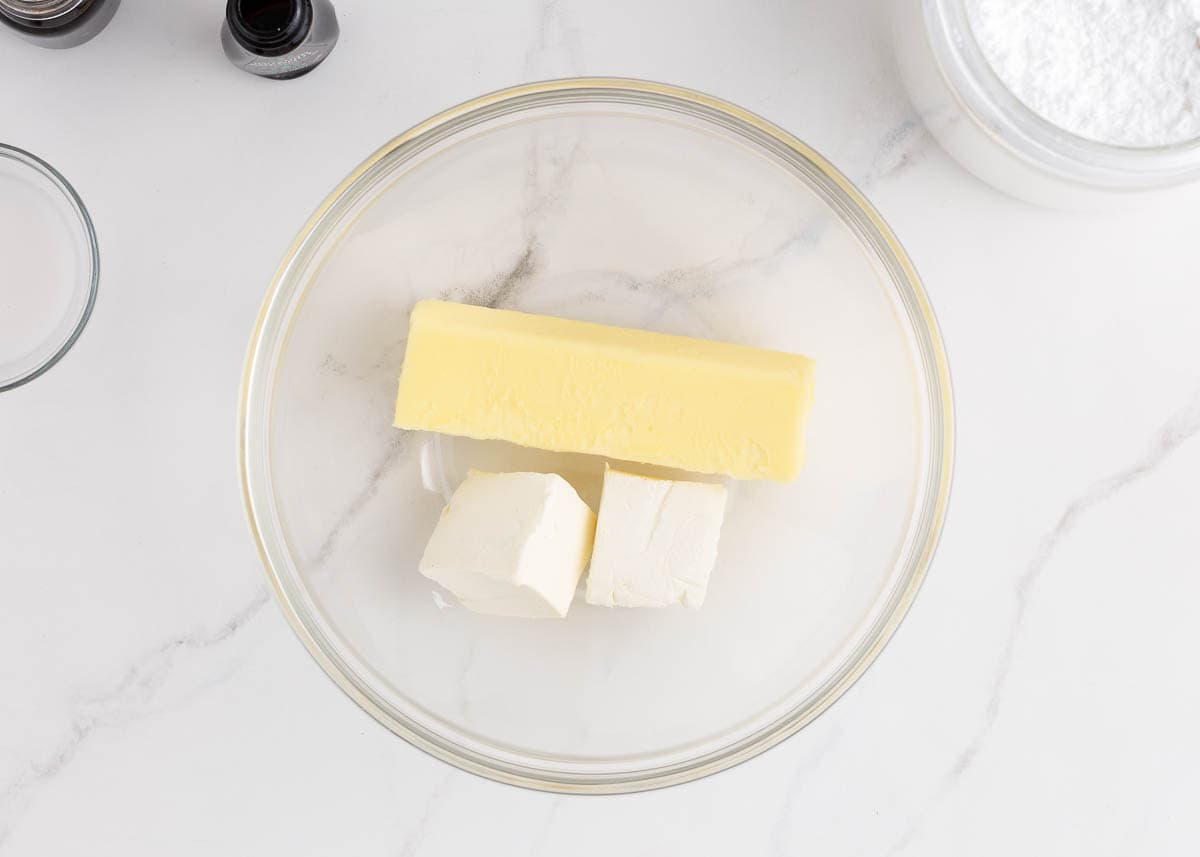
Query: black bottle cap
x=269 y=28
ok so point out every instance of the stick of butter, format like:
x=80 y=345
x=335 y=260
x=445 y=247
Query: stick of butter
x=570 y=386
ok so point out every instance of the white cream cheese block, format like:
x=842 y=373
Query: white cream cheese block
x=656 y=541
x=512 y=544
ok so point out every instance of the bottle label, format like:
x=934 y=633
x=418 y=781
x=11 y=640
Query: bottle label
x=299 y=59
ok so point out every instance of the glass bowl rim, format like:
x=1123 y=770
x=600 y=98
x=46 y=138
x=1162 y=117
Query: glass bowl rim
x=256 y=386
x=81 y=219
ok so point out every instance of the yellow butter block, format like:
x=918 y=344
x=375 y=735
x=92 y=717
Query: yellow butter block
x=570 y=386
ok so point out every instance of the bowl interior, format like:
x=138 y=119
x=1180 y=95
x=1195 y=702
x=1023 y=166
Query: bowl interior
x=625 y=210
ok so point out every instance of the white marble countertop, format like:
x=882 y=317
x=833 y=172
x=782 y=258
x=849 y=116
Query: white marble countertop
x=1041 y=694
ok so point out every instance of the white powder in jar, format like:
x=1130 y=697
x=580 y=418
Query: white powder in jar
x=1125 y=72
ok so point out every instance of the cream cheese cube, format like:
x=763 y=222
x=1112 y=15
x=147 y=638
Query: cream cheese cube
x=656 y=541
x=512 y=544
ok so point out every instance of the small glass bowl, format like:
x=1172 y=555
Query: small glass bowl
x=992 y=133
x=50 y=266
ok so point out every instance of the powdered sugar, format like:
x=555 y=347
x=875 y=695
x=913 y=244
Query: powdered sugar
x=1125 y=72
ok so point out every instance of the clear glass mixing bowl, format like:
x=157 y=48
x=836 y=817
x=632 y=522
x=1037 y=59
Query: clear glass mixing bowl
x=627 y=203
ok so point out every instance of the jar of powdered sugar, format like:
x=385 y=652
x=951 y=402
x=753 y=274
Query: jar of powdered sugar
x=1068 y=103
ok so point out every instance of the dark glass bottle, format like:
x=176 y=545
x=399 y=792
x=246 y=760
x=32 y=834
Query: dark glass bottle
x=279 y=39
x=57 y=23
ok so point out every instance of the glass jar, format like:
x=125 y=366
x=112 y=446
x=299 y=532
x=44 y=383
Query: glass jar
x=57 y=23
x=992 y=133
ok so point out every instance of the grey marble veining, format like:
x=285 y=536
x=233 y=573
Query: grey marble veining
x=119 y=704
x=1181 y=427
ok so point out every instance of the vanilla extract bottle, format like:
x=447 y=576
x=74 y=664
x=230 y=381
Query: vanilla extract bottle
x=279 y=39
